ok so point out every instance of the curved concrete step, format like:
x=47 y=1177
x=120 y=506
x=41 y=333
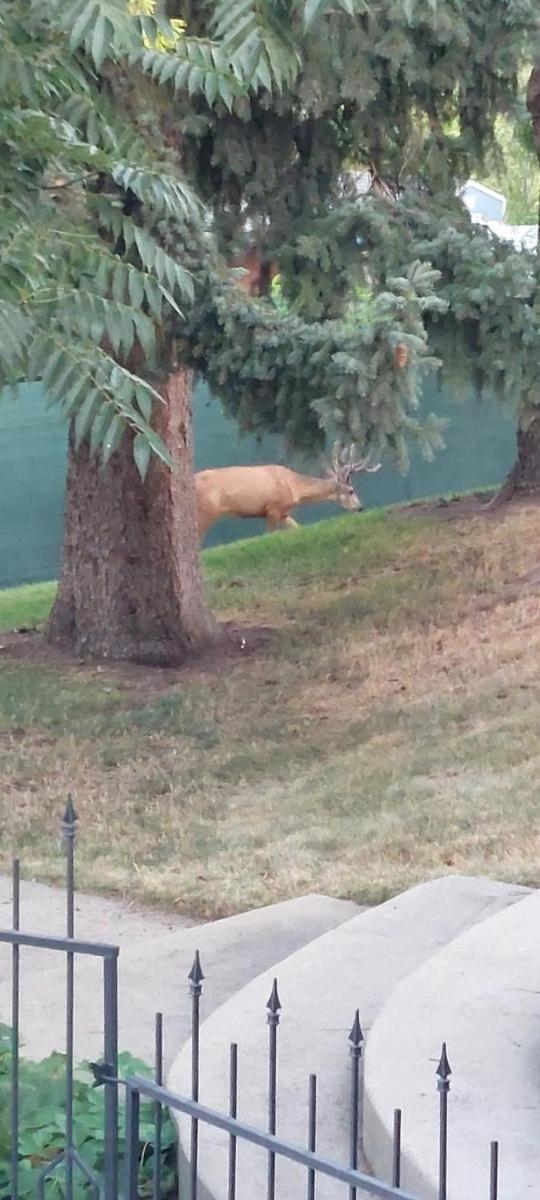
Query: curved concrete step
x=356 y=965
x=482 y=995
x=156 y=953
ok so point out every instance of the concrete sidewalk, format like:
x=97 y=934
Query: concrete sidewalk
x=360 y=964
x=480 y=994
x=156 y=953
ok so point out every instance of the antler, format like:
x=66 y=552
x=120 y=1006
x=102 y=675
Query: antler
x=343 y=461
x=336 y=458
x=363 y=464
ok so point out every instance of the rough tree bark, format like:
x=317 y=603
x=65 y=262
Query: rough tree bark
x=131 y=585
x=525 y=474
x=259 y=273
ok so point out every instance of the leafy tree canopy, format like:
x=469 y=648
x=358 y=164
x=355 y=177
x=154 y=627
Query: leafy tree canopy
x=411 y=97
x=141 y=154
x=405 y=90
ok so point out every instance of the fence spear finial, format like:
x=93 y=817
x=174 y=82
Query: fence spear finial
x=356 y=1037
x=70 y=816
x=273 y=1003
x=444 y=1070
x=196 y=975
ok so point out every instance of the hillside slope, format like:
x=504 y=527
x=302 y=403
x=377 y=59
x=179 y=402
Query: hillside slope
x=380 y=726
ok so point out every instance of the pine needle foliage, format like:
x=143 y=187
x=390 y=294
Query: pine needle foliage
x=141 y=153
x=405 y=99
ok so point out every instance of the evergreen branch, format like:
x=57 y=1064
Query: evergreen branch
x=197 y=66
x=257 y=38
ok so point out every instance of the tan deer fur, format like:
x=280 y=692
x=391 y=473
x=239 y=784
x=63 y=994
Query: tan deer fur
x=271 y=492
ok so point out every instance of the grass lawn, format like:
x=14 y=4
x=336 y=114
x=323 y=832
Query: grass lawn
x=387 y=730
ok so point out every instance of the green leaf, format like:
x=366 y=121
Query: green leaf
x=157 y=444
x=154 y=296
x=211 y=88
x=81 y=26
x=141 y=454
x=119 y=282
x=99 y=427
x=85 y=416
x=312 y=9
x=112 y=438
x=263 y=73
x=73 y=398
x=125 y=329
x=226 y=92
x=145 y=333
x=99 y=40
x=137 y=285
x=144 y=402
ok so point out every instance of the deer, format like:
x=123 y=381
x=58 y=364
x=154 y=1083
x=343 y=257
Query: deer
x=272 y=492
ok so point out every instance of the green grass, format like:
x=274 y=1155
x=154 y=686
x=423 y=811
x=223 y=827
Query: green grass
x=252 y=565
x=387 y=731
x=26 y=607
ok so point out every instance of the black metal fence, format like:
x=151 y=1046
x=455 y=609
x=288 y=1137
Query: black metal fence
x=121 y=1173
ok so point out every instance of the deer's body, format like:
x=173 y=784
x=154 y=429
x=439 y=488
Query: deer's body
x=268 y=492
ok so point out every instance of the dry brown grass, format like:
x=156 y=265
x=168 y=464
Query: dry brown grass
x=387 y=730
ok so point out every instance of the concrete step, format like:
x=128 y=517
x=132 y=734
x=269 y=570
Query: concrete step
x=481 y=994
x=156 y=953
x=357 y=965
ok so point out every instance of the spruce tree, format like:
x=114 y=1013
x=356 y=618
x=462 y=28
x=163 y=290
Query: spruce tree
x=235 y=135
x=525 y=474
x=407 y=97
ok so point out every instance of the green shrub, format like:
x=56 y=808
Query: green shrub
x=42 y=1125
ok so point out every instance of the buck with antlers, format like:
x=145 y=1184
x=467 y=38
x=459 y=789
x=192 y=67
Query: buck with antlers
x=272 y=492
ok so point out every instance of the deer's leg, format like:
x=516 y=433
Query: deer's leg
x=204 y=520
x=279 y=520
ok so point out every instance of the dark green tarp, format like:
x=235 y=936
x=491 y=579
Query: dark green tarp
x=479 y=450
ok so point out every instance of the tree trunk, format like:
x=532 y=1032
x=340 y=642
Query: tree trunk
x=533 y=104
x=131 y=585
x=525 y=474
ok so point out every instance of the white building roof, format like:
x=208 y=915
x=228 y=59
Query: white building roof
x=481 y=189
x=524 y=237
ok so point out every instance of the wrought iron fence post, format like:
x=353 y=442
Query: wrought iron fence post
x=15 y=1018
x=356 y=1039
x=69 y=823
x=110 y=1049
x=273 y=1011
x=158 y=1112
x=396 y=1150
x=443 y=1086
x=494 y=1172
x=195 y=986
x=233 y=1112
x=131 y=1163
x=312 y=1131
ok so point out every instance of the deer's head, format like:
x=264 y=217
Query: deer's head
x=344 y=466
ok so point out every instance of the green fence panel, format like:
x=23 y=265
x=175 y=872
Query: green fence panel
x=33 y=445
x=478 y=452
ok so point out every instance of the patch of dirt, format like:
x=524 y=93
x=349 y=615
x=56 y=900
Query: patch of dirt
x=477 y=506
x=241 y=642
x=463 y=507
x=502 y=642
